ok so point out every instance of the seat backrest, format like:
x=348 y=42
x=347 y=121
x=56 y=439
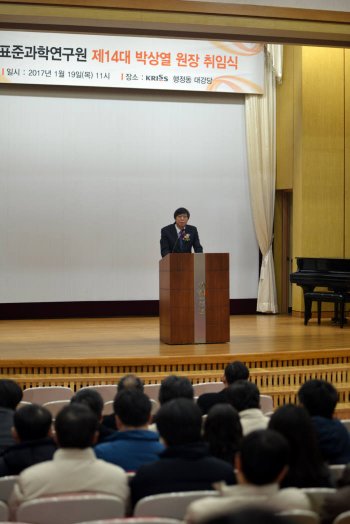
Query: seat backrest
x=4 y=511
x=337 y=471
x=346 y=422
x=170 y=505
x=6 y=487
x=41 y=395
x=107 y=391
x=317 y=496
x=69 y=509
x=300 y=516
x=207 y=387
x=151 y=390
x=135 y=520
x=342 y=518
x=266 y=403
x=55 y=406
x=108 y=408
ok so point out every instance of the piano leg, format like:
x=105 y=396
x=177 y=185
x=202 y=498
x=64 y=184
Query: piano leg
x=307 y=310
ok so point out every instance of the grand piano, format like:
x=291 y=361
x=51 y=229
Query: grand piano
x=331 y=273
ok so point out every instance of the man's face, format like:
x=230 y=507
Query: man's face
x=181 y=221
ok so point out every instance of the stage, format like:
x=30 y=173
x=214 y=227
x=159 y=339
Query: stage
x=279 y=350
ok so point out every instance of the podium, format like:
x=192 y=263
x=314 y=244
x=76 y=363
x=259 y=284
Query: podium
x=194 y=298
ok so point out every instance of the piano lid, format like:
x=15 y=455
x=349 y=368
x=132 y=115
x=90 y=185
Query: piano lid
x=323 y=265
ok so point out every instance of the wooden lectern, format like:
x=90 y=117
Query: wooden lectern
x=194 y=305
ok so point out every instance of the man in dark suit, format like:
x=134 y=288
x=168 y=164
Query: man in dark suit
x=234 y=371
x=179 y=237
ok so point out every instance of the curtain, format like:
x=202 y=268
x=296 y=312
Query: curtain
x=260 y=113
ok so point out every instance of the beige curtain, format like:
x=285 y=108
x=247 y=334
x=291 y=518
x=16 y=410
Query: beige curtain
x=261 y=145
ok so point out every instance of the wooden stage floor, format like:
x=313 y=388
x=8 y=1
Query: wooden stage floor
x=113 y=338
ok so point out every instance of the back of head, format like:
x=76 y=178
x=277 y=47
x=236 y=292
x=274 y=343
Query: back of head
x=223 y=431
x=295 y=424
x=175 y=387
x=90 y=398
x=130 y=382
x=236 y=371
x=179 y=421
x=32 y=422
x=318 y=397
x=264 y=455
x=243 y=395
x=10 y=394
x=133 y=407
x=76 y=426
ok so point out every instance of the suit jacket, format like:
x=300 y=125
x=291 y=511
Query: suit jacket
x=170 y=243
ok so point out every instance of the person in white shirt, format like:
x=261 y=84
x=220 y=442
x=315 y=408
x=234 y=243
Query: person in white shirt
x=74 y=467
x=260 y=466
x=244 y=396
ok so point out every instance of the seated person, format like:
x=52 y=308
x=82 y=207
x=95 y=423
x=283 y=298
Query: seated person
x=129 y=381
x=134 y=444
x=91 y=398
x=261 y=465
x=320 y=398
x=233 y=371
x=32 y=432
x=186 y=464
x=244 y=396
x=173 y=387
x=74 y=467
x=10 y=396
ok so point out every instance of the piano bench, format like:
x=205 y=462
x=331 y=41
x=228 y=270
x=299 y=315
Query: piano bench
x=319 y=297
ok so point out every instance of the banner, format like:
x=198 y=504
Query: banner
x=130 y=62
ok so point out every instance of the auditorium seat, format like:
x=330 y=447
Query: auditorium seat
x=4 y=511
x=43 y=394
x=343 y=518
x=300 y=516
x=317 y=496
x=55 y=406
x=107 y=391
x=134 y=520
x=6 y=486
x=207 y=387
x=70 y=509
x=169 y=505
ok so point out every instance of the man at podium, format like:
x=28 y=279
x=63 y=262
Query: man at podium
x=179 y=237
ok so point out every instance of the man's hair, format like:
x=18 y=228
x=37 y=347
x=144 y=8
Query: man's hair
x=75 y=426
x=90 y=398
x=10 y=394
x=243 y=395
x=32 y=422
x=236 y=371
x=264 y=454
x=133 y=407
x=130 y=382
x=175 y=387
x=318 y=397
x=179 y=421
x=181 y=211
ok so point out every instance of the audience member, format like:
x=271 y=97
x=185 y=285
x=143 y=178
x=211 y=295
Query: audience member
x=223 y=432
x=320 y=399
x=133 y=445
x=260 y=465
x=129 y=381
x=91 y=398
x=244 y=396
x=234 y=371
x=185 y=464
x=32 y=432
x=74 y=467
x=306 y=467
x=173 y=387
x=10 y=396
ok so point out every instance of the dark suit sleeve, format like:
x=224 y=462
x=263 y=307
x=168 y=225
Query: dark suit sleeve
x=165 y=247
x=196 y=243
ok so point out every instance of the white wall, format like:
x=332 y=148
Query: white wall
x=87 y=179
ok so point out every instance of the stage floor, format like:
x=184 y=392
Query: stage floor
x=65 y=339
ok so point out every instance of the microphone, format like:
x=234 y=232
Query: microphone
x=180 y=235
